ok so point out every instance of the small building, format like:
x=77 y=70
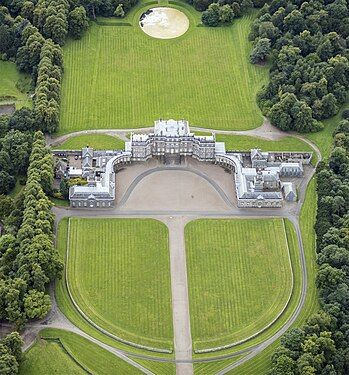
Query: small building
x=291 y=169
x=290 y=192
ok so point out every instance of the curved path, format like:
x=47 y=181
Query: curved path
x=266 y=131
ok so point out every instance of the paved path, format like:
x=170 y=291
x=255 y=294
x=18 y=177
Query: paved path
x=180 y=298
x=266 y=131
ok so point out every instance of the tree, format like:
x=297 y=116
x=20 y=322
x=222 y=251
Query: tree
x=119 y=11
x=329 y=105
x=260 y=51
x=283 y=365
x=17 y=145
x=210 y=17
x=246 y=5
x=27 y=10
x=6 y=206
x=23 y=119
x=64 y=188
x=36 y=304
x=6 y=38
x=3 y=125
x=13 y=343
x=78 y=22
x=8 y=363
x=7 y=182
x=236 y=9
x=339 y=161
x=226 y=14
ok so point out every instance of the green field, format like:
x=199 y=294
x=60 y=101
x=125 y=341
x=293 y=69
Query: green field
x=62 y=352
x=96 y=141
x=245 y=143
x=13 y=85
x=119 y=77
x=238 y=283
x=118 y=272
x=48 y=357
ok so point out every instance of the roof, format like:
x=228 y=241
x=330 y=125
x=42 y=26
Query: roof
x=139 y=137
x=171 y=128
x=220 y=147
x=87 y=151
x=288 y=188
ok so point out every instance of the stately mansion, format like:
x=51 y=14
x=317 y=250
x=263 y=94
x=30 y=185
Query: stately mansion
x=259 y=177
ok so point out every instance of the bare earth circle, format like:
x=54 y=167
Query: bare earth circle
x=164 y=23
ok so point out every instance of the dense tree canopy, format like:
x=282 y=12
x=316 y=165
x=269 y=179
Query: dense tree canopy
x=28 y=259
x=308 y=45
x=10 y=354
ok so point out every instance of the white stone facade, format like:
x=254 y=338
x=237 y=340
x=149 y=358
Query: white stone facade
x=171 y=138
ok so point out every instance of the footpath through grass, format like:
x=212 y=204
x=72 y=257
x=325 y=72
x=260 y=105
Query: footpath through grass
x=96 y=141
x=119 y=77
x=119 y=275
x=239 y=277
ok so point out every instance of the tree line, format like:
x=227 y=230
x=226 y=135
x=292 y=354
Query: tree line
x=321 y=346
x=223 y=12
x=307 y=43
x=28 y=258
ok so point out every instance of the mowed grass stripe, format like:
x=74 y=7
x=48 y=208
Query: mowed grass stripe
x=118 y=77
x=240 y=278
x=118 y=271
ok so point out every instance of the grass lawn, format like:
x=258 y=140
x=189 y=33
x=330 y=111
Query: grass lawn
x=118 y=271
x=119 y=77
x=48 y=357
x=11 y=82
x=96 y=141
x=245 y=143
x=238 y=283
x=51 y=357
x=59 y=202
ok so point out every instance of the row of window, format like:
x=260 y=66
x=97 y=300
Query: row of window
x=91 y=204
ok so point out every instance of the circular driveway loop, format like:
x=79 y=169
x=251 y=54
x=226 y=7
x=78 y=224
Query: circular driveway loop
x=164 y=23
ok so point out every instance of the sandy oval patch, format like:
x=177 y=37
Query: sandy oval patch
x=164 y=23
